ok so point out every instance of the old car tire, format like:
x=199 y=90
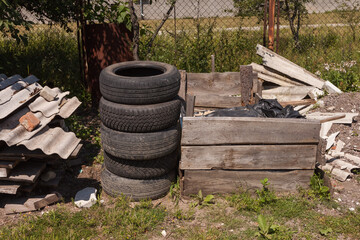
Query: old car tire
x=137 y=189
x=140 y=146
x=141 y=169
x=139 y=118
x=139 y=82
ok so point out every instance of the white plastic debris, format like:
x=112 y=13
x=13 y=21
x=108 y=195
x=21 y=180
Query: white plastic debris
x=86 y=197
x=352 y=209
x=163 y=233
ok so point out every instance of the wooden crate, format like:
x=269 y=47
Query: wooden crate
x=221 y=154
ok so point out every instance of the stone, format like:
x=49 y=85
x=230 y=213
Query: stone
x=29 y=121
x=332 y=108
x=48 y=94
x=86 y=197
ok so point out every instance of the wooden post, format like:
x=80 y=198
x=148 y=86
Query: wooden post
x=271 y=23
x=213 y=63
x=246 y=82
x=190 y=103
x=265 y=22
x=278 y=26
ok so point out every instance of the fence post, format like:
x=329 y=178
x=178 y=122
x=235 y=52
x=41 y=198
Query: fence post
x=271 y=23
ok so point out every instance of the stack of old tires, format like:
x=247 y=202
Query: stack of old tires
x=140 y=132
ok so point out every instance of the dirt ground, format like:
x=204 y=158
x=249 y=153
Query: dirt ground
x=346 y=193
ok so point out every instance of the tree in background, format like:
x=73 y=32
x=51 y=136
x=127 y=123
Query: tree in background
x=349 y=11
x=294 y=11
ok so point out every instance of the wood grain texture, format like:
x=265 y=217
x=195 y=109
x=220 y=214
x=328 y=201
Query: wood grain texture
x=217 y=101
x=228 y=181
x=283 y=65
x=183 y=84
x=227 y=83
x=26 y=172
x=9 y=187
x=241 y=130
x=190 y=105
x=248 y=157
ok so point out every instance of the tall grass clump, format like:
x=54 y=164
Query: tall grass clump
x=51 y=54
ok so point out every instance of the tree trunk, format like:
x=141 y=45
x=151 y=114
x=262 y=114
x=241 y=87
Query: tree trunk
x=136 y=31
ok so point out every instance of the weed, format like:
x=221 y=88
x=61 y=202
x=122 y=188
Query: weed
x=202 y=201
x=326 y=231
x=266 y=229
x=317 y=188
x=265 y=195
x=175 y=191
x=181 y=215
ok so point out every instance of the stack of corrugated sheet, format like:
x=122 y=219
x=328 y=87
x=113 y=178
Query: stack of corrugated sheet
x=25 y=153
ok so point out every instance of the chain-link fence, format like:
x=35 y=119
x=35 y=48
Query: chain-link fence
x=230 y=30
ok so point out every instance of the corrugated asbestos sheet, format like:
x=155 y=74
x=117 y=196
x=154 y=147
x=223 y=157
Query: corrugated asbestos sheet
x=19 y=96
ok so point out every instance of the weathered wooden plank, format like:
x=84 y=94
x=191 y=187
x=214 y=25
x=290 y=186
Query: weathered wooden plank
x=272 y=76
x=246 y=81
x=4 y=172
x=217 y=101
x=8 y=164
x=248 y=157
x=287 y=93
x=228 y=181
x=348 y=119
x=183 y=84
x=243 y=130
x=31 y=204
x=283 y=65
x=26 y=172
x=227 y=83
x=190 y=104
x=298 y=102
x=9 y=187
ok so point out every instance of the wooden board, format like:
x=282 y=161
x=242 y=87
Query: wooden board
x=183 y=84
x=248 y=157
x=348 y=119
x=217 y=101
x=9 y=187
x=241 y=130
x=283 y=65
x=8 y=164
x=26 y=172
x=228 y=181
x=227 y=83
x=31 y=204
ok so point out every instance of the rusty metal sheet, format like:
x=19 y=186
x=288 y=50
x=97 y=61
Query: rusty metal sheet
x=48 y=108
x=12 y=132
x=69 y=107
x=19 y=99
x=53 y=140
x=7 y=93
x=2 y=77
x=9 y=81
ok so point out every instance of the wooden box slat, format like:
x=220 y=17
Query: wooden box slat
x=229 y=181
x=248 y=157
x=243 y=130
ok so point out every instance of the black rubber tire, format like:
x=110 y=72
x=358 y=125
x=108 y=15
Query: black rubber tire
x=140 y=146
x=139 y=118
x=136 y=189
x=139 y=82
x=141 y=169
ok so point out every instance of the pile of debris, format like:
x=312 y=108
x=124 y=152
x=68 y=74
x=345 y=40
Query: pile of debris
x=34 y=139
x=288 y=82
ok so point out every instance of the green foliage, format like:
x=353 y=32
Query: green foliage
x=266 y=229
x=120 y=222
x=349 y=11
x=181 y=215
x=245 y=201
x=318 y=190
x=265 y=196
x=175 y=191
x=202 y=201
x=326 y=231
x=101 y=11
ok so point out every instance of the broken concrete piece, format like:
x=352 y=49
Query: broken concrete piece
x=48 y=94
x=353 y=158
x=325 y=127
x=337 y=154
x=86 y=197
x=315 y=93
x=340 y=174
x=331 y=88
x=332 y=108
x=339 y=146
x=49 y=175
x=31 y=204
x=345 y=165
x=331 y=140
x=29 y=121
